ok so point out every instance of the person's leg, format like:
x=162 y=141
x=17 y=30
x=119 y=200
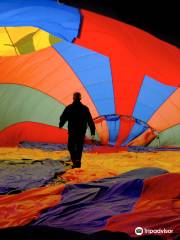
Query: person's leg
x=79 y=149
x=72 y=148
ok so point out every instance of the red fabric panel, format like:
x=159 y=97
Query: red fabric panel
x=127 y=47
x=125 y=129
x=108 y=149
x=133 y=54
x=32 y=132
x=157 y=208
x=20 y=209
x=102 y=35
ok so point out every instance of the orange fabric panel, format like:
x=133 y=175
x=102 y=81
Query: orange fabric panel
x=46 y=71
x=75 y=176
x=168 y=114
x=142 y=140
x=103 y=131
x=32 y=132
x=20 y=209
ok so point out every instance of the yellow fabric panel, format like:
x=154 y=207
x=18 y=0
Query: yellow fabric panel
x=24 y=40
x=18 y=33
x=6 y=47
x=43 y=39
x=100 y=165
x=97 y=166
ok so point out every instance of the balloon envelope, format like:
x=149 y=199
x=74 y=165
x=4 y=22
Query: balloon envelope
x=128 y=78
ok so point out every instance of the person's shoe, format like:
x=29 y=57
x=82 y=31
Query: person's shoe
x=77 y=164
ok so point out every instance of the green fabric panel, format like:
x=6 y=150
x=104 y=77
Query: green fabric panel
x=20 y=104
x=169 y=137
x=53 y=39
x=25 y=45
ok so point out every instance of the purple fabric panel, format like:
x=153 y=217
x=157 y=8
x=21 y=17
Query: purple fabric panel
x=86 y=207
x=27 y=173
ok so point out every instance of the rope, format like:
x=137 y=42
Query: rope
x=11 y=40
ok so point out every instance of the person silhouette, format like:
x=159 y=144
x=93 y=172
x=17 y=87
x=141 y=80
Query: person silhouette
x=78 y=117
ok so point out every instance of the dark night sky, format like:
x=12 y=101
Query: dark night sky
x=161 y=20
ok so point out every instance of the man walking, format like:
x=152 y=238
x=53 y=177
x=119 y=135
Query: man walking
x=78 y=117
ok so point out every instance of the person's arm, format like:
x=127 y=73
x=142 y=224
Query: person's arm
x=63 y=117
x=91 y=124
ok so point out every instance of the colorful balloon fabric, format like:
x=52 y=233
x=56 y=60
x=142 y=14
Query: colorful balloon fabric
x=26 y=174
x=129 y=79
x=139 y=198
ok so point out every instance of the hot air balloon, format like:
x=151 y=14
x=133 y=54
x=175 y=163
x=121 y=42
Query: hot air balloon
x=130 y=82
x=128 y=78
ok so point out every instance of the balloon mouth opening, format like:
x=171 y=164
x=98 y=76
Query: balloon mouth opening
x=114 y=135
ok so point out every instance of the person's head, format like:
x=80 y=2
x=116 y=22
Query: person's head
x=77 y=97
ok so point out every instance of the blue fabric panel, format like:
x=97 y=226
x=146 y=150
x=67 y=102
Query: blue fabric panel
x=151 y=96
x=53 y=147
x=58 y=19
x=139 y=173
x=113 y=126
x=136 y=130
x=27 y=174
x=151 y=149
x=94 y=72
